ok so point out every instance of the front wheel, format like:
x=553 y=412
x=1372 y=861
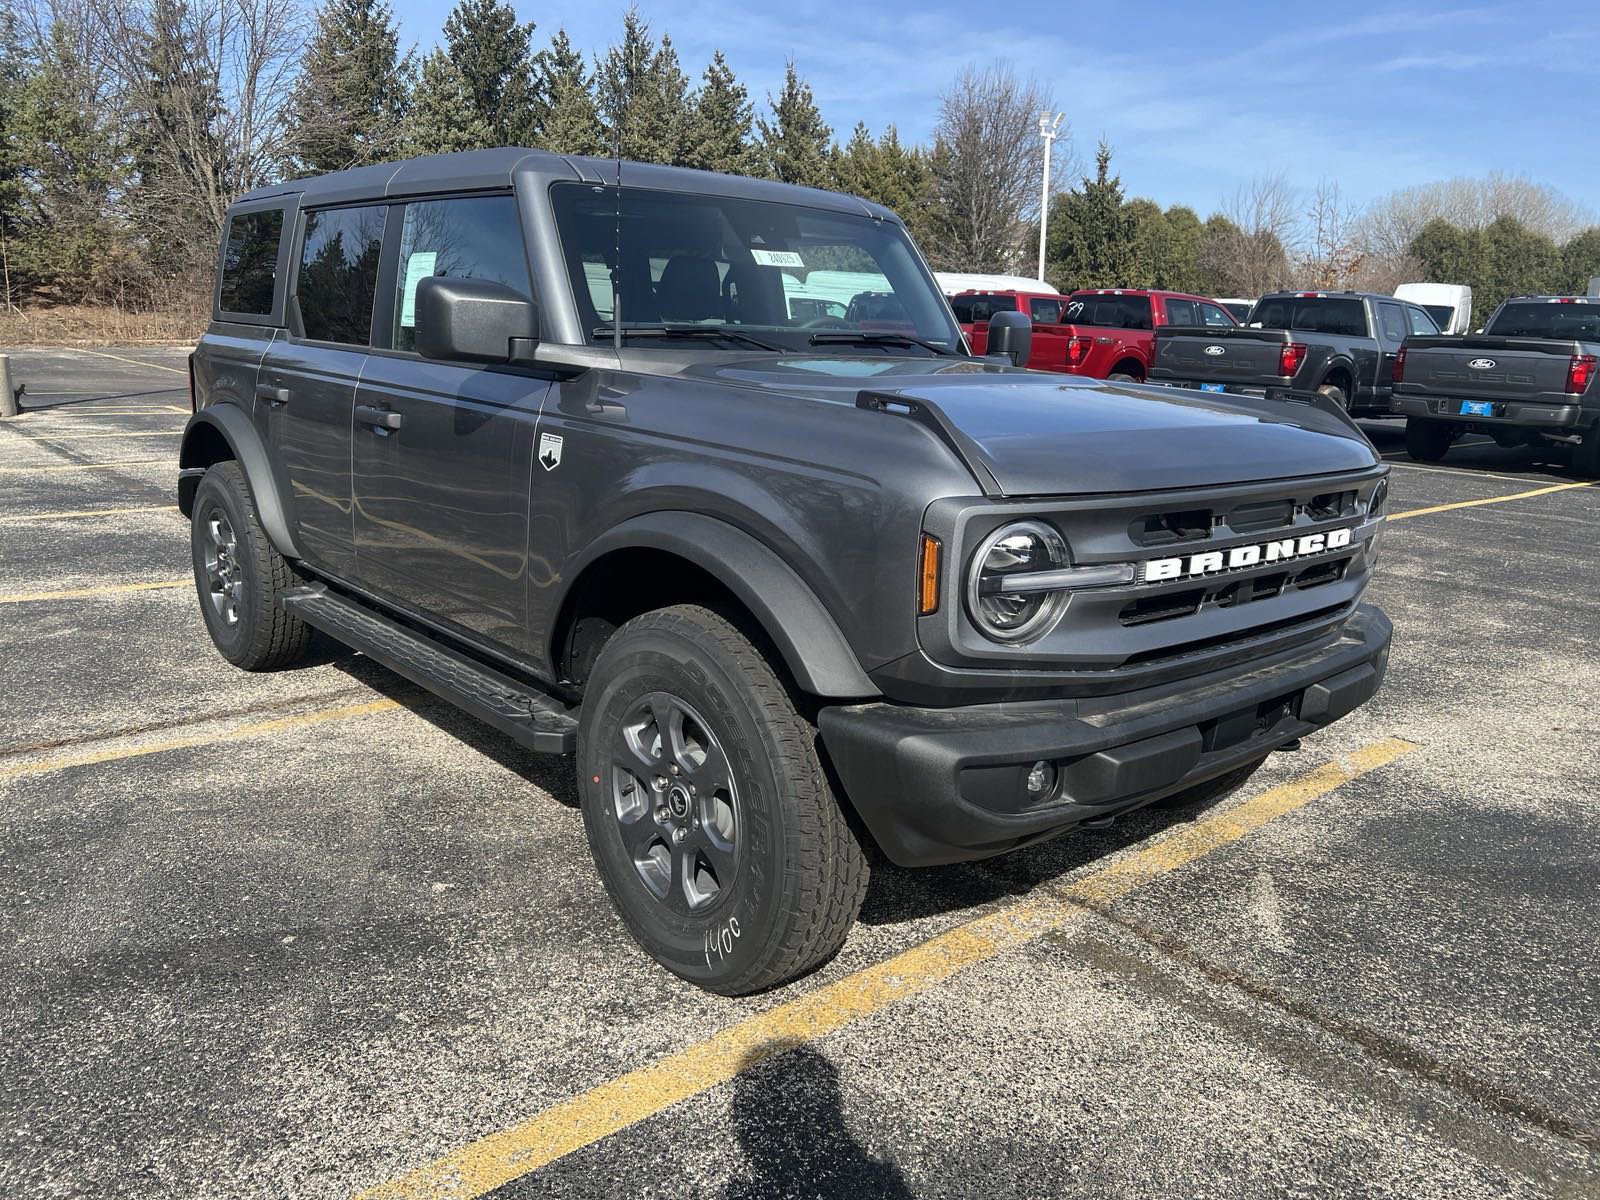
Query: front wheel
x=1428 y=441
x=708 y=812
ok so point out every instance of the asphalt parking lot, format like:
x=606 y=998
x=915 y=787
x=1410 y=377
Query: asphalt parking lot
x=317 y=934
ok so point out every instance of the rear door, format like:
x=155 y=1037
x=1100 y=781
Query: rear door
x=443 y=452
x=307 y=385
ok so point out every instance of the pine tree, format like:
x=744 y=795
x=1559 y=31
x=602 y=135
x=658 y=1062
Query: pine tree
x=643 y=96
x=444 y=118
x=1580 y=260
x=1091 y=237
x=568 y=122
x=350 y=100
x=493 y=57
x=795 y=144
x=720 y=122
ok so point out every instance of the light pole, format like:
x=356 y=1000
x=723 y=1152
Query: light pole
x=1048 y=130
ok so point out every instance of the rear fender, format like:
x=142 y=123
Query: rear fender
x=234 y=426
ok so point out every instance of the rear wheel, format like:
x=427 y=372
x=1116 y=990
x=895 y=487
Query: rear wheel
x=708 y=812
x=1336 y=394
x=240 y=576
x=1586 y=455
x=1428 y=441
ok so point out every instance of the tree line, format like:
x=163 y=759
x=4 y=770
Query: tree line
x=128 y=126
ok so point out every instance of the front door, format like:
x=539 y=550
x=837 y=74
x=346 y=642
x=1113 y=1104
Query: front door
x=443 y=452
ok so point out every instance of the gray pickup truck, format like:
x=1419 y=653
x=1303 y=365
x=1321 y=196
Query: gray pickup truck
x=1342 y=344
x=1528 y=379
x=782 y=583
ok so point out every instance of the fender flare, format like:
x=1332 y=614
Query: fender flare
x=1340 y=362
x=805 y=633
x=236 y=428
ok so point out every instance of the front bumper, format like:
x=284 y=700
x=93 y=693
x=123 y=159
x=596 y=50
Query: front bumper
x=1505 y=412
x=946 y=785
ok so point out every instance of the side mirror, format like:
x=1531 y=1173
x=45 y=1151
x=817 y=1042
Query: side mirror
x=1011 y=334
x=474 y=320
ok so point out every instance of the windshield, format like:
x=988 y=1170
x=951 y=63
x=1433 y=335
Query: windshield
x=1570 y=321
x=781 y=276
x=1345 y=318
x=1442 y=314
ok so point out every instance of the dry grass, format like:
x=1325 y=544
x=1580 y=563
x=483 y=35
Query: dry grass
x=99 y=325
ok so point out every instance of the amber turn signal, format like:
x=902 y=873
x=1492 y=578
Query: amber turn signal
x=928 y=592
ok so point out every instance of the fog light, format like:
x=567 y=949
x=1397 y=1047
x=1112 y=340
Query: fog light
x=1041 y=780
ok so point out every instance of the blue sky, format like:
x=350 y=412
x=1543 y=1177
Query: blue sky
x=1195 y=98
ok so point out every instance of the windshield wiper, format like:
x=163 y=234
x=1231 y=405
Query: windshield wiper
x=862 y=337
x=698 y=332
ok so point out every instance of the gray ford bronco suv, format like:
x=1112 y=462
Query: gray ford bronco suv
x=604 y=466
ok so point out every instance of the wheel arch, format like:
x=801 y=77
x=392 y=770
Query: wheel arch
x=685 y=554
x=225 y=431
x=1341 y=373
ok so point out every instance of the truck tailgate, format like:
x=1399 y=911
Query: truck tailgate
x=1185 y=354
x=1486 y=367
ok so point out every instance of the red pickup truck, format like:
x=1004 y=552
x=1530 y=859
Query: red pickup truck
x=1103 y=333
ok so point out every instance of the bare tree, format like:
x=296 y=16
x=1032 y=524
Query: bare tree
x=988 y=160
x=1331 y=256
x=1249 y=254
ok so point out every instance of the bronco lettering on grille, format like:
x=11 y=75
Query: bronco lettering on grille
x=1238 y=557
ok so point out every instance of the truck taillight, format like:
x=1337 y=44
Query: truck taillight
x=1078 y=350
x=1579 y=372
x=1290 y=356
x=1400 y=365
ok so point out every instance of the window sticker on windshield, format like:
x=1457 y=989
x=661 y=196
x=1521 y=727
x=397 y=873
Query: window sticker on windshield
x=418 y=267
x=778 y=258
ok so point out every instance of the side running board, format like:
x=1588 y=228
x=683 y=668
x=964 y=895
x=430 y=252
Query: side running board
x=529 y=716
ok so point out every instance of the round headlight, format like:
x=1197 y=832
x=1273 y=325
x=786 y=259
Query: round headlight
x=1015 y=616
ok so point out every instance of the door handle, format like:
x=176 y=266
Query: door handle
x=272 y=394
x=383 y=418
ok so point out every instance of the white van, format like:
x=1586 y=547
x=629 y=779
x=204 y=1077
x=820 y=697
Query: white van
x=1449 y=304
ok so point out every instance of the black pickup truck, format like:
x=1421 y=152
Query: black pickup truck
x=1528 y=379
x=1342 y=344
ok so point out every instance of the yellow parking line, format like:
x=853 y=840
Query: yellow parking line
x=136 y=362
x=26 y=518
x=1439 y=508
x=90 y=593
x=44 y=766
x=127 y=462
x=499 y=1158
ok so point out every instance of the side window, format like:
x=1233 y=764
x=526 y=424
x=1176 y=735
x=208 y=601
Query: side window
x=1421 y=322
x=1393 y=322
x=250 y=262
x=339 y=273
x=1045 y=312
x=1182 y=312
x=475 y=237
x=1212 y=314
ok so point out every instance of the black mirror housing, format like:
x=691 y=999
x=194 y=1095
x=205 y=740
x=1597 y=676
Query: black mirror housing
x=474 y=320
x=1011 y=334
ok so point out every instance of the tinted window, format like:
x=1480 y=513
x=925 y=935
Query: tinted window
x=1346 y=318
x=1239 y=308
x=1182 y=312
x=339 y=273
x=1442 y=315
x=980 y=308
x=250 y=262
x=1212 y=314
x=1423 y=322
x=1110 y=312
x=1393 y=322
x=479 y=237
x=1045 y=312
x=1543 y=319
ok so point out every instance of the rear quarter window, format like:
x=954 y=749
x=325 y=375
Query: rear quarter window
x=1110 y=312
x=249 y=272
x=1343 y=317
x=978 y=309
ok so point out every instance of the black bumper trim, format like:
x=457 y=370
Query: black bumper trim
x=910 y=772
x=1509 y=413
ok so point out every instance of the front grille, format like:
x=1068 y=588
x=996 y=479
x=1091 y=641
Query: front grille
x=1227 y=639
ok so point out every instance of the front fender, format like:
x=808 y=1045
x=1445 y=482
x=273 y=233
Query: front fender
x=233 y=425
x=804 y=632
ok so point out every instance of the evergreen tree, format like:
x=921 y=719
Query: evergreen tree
x=643 y=96
x=493 y=57
x=1580 y=261
x=720 y=121
x=1091 y=241
x=795 y=145
x=350 y=99
x=444 y=118
x=888 y=173
x=568 y=120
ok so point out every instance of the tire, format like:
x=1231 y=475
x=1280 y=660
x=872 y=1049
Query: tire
x=239 y=576
x=1212 y=790
x=1428 y=441
x=1586 y=454
x=786 y=873
x=1336 y=394
x=1123 y=377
